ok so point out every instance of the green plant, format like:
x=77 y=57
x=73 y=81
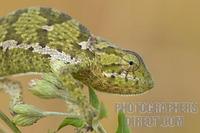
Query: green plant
x=26 y=114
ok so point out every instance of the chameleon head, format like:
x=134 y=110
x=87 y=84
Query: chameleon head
x=122 y=71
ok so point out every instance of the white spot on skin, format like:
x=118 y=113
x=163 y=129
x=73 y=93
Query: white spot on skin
x=54 y=54
x=8 y=44
x=47 y=28
x=84 y=45
x=122 y=75
x=110 y=74
x=87 y=45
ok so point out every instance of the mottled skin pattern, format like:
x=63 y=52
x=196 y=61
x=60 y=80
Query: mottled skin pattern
x=103 y=66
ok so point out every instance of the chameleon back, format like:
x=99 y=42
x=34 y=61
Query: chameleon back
x=37 y=27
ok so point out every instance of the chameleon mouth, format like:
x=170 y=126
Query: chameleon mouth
x=127 y=84
x=123 y=87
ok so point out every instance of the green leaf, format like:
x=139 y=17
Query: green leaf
x=94 y=101
x=9 y=122
x=102 y=112
x=122 y=124
x=76 y=122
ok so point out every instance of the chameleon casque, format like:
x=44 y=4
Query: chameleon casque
x=37 y=39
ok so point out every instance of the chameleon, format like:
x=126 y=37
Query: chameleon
x=35 y=40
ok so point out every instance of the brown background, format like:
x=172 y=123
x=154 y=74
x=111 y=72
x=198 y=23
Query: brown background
x=166 y=34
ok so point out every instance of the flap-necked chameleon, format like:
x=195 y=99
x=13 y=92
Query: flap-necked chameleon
x=34 y=39
x=68 y=56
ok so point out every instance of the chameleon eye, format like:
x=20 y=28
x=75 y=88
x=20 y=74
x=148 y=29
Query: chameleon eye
x=131 y=63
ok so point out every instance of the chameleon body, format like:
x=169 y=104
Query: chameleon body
x=33 y=38
x=48 y=42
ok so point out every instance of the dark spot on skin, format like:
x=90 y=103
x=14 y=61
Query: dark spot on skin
x=30 y=61
x=92 y=40
x=113 y=76
x=63 y=17
x=42 y=45
x=47 y=55
x=18 y=43
x=31 y=48
x=43 y=36
x=120 y=72
x=53 y=17
x=131 y=63
x=85 y=34
x=72 y=57
x=1 y=47
x=79 y=46
x=59 y=50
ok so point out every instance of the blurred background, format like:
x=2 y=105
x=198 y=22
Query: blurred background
x=164 y=32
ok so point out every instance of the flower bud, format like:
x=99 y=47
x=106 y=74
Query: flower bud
x=52 y=78
x=23 y=120
x=27 y=110
x=47 y=90
x=57 y=66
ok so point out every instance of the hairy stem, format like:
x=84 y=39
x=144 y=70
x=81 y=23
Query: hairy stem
x=100 y=129
x=60 y=114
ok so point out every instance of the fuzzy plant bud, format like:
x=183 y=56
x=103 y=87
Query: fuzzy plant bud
x=23 y=120
x=26 y=114
x=47 y=90
x=28 y=110
x=52 y=78
x=57 y=66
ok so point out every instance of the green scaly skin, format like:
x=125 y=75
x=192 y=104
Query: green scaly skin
x=101 y=65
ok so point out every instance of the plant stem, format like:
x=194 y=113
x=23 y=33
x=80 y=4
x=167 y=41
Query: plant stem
x=100 y=129
x=9 y=122
x=61 y=114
